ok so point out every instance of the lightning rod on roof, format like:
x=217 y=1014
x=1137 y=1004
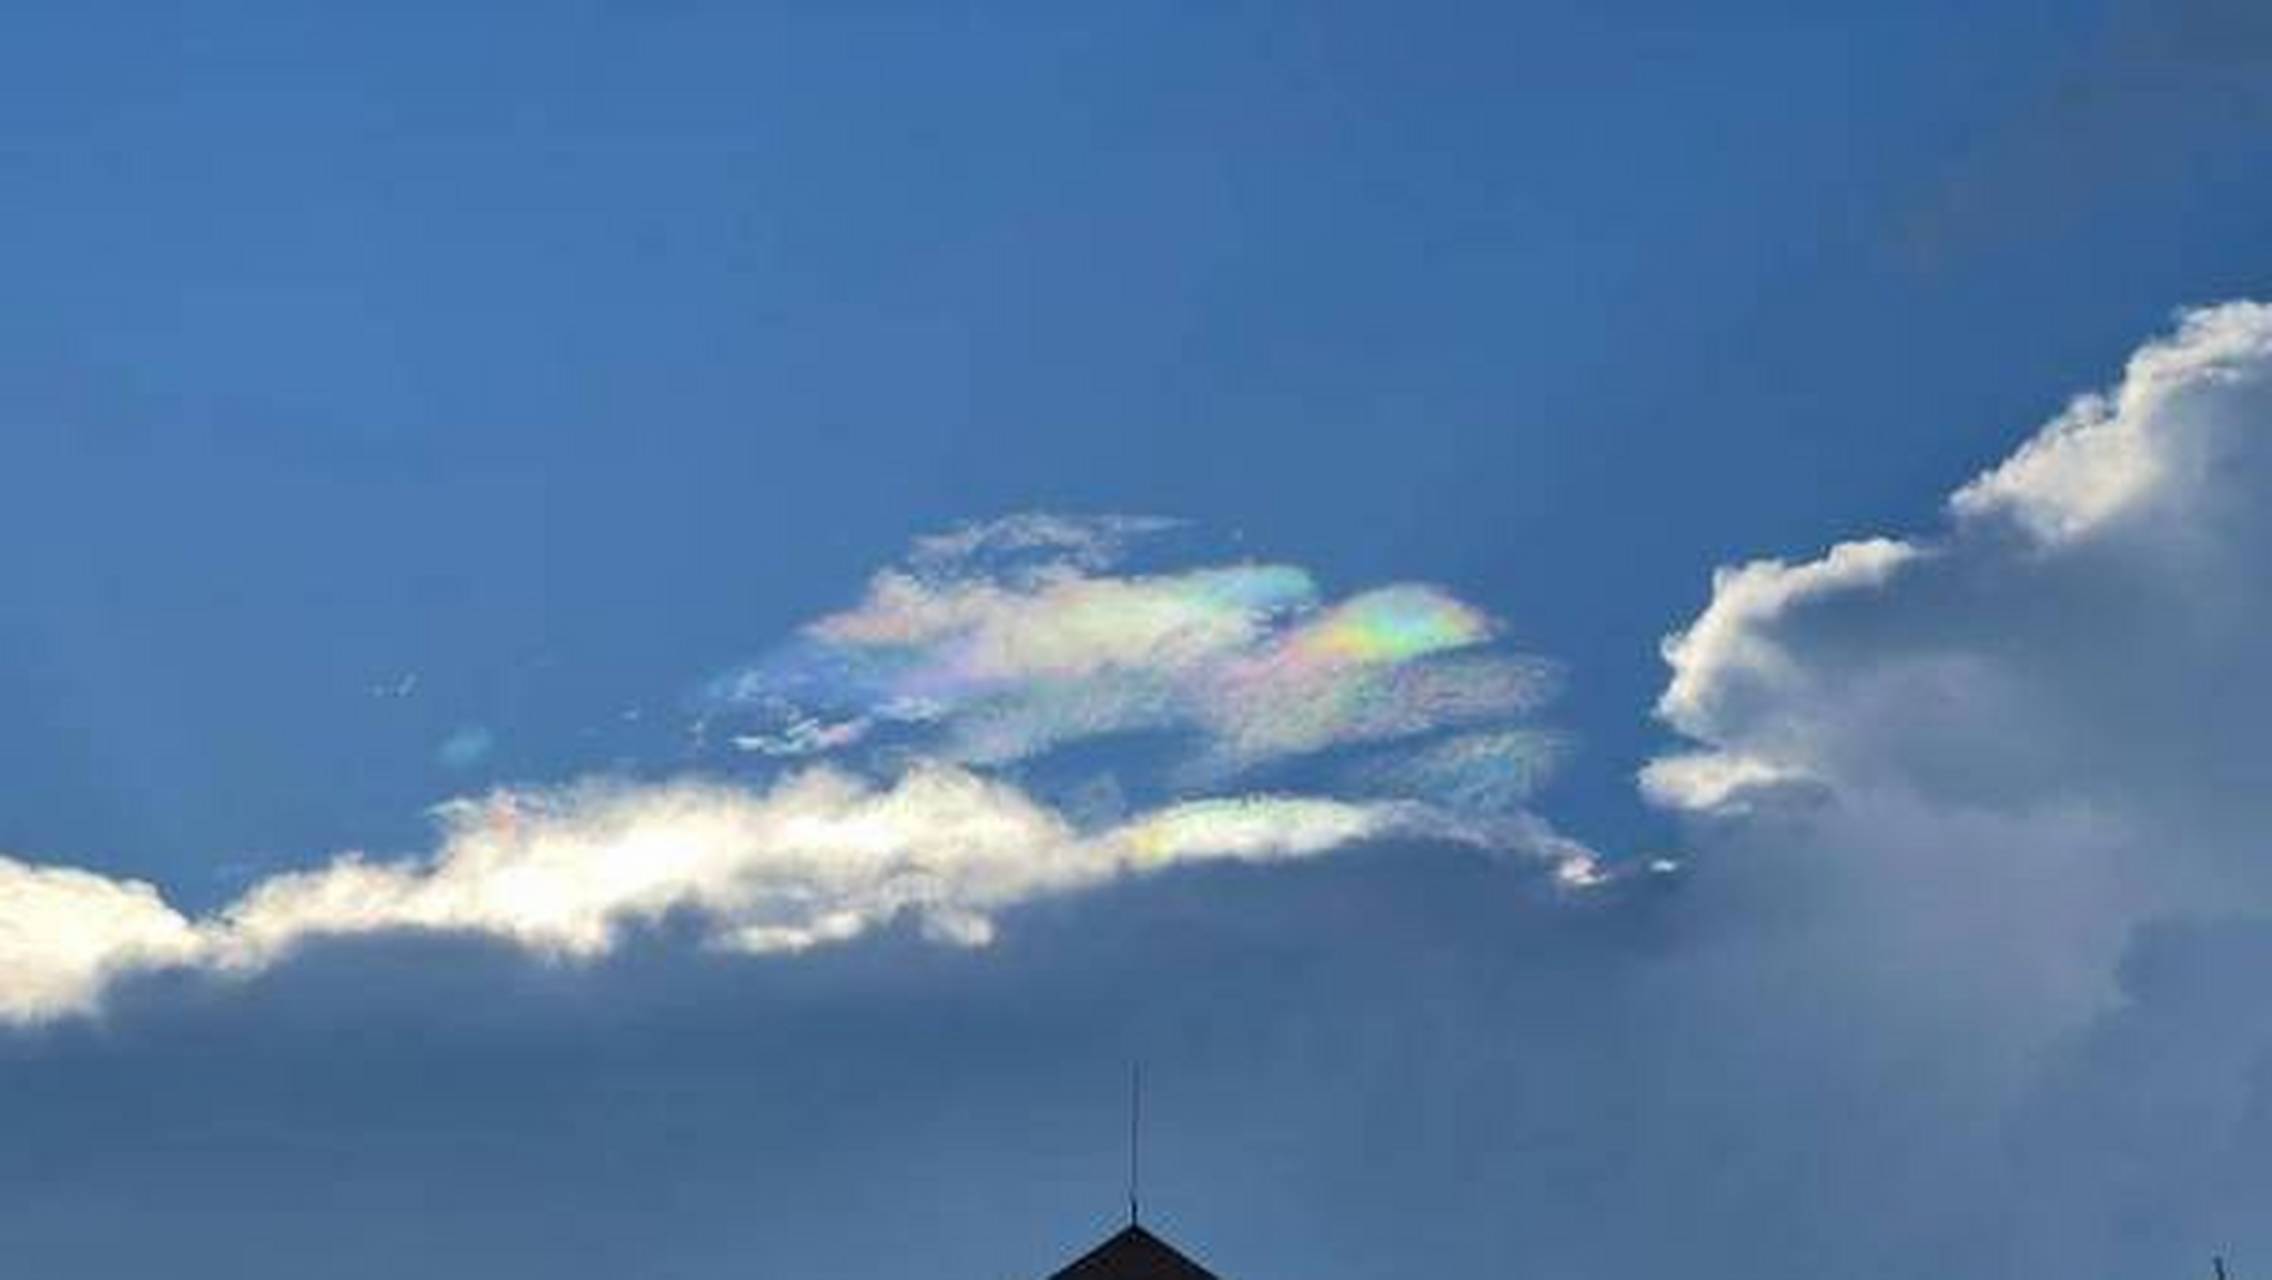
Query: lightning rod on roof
x=1135 y=1139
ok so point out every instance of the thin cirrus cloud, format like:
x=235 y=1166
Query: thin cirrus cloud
x=993 y=645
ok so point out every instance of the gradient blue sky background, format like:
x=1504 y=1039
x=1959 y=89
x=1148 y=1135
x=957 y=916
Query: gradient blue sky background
x=564 y=356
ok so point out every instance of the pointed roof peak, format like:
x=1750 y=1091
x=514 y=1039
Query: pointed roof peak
x=1134 y=1253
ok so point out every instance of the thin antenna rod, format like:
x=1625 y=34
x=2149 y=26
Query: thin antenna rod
x=1134 y=1140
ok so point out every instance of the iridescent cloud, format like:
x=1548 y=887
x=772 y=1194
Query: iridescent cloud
x=1017 y=638
x=928 y=722
x=1494 y=771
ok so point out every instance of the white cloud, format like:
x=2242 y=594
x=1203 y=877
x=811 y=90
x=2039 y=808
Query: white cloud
x=2158 y=436
x=1065 y=624
x=1712 y=780
x=1731 y=671
x=823 y=856
x=1960 y=790
x=2081 y=594
x=992 y=644
x=2025 y=736
x=64 y=933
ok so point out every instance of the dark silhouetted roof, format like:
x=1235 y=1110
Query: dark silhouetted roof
x=1134 y=1254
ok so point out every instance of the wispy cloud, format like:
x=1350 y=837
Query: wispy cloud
x=1005 y=642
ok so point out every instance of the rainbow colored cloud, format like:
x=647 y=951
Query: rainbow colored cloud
x=1004 y=643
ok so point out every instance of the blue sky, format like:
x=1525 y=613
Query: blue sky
x=491 y=407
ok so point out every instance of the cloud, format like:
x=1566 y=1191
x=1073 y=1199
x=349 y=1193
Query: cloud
x=1090 y=541
x=807 y=736
x=2009 y=773
x=2121 y=541
x=2150 y=1124
x=2186 y=406
x=1014 y=643
x=65 y=933
x=993 y=644
x=1494 y=771
x=822 y=856
x=1961 y=976
x=581 y=1121
x=1005 y=657
x=1729 y=669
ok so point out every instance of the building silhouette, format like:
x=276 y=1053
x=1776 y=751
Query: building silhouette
x=1134 y=1254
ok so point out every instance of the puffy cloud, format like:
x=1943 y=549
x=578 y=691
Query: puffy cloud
x=64 y=933
x=2007 y=772
x=822 y=856
x=2180 y=413
x=2094 y=600
x=1258 y=828
x=1730 y=669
